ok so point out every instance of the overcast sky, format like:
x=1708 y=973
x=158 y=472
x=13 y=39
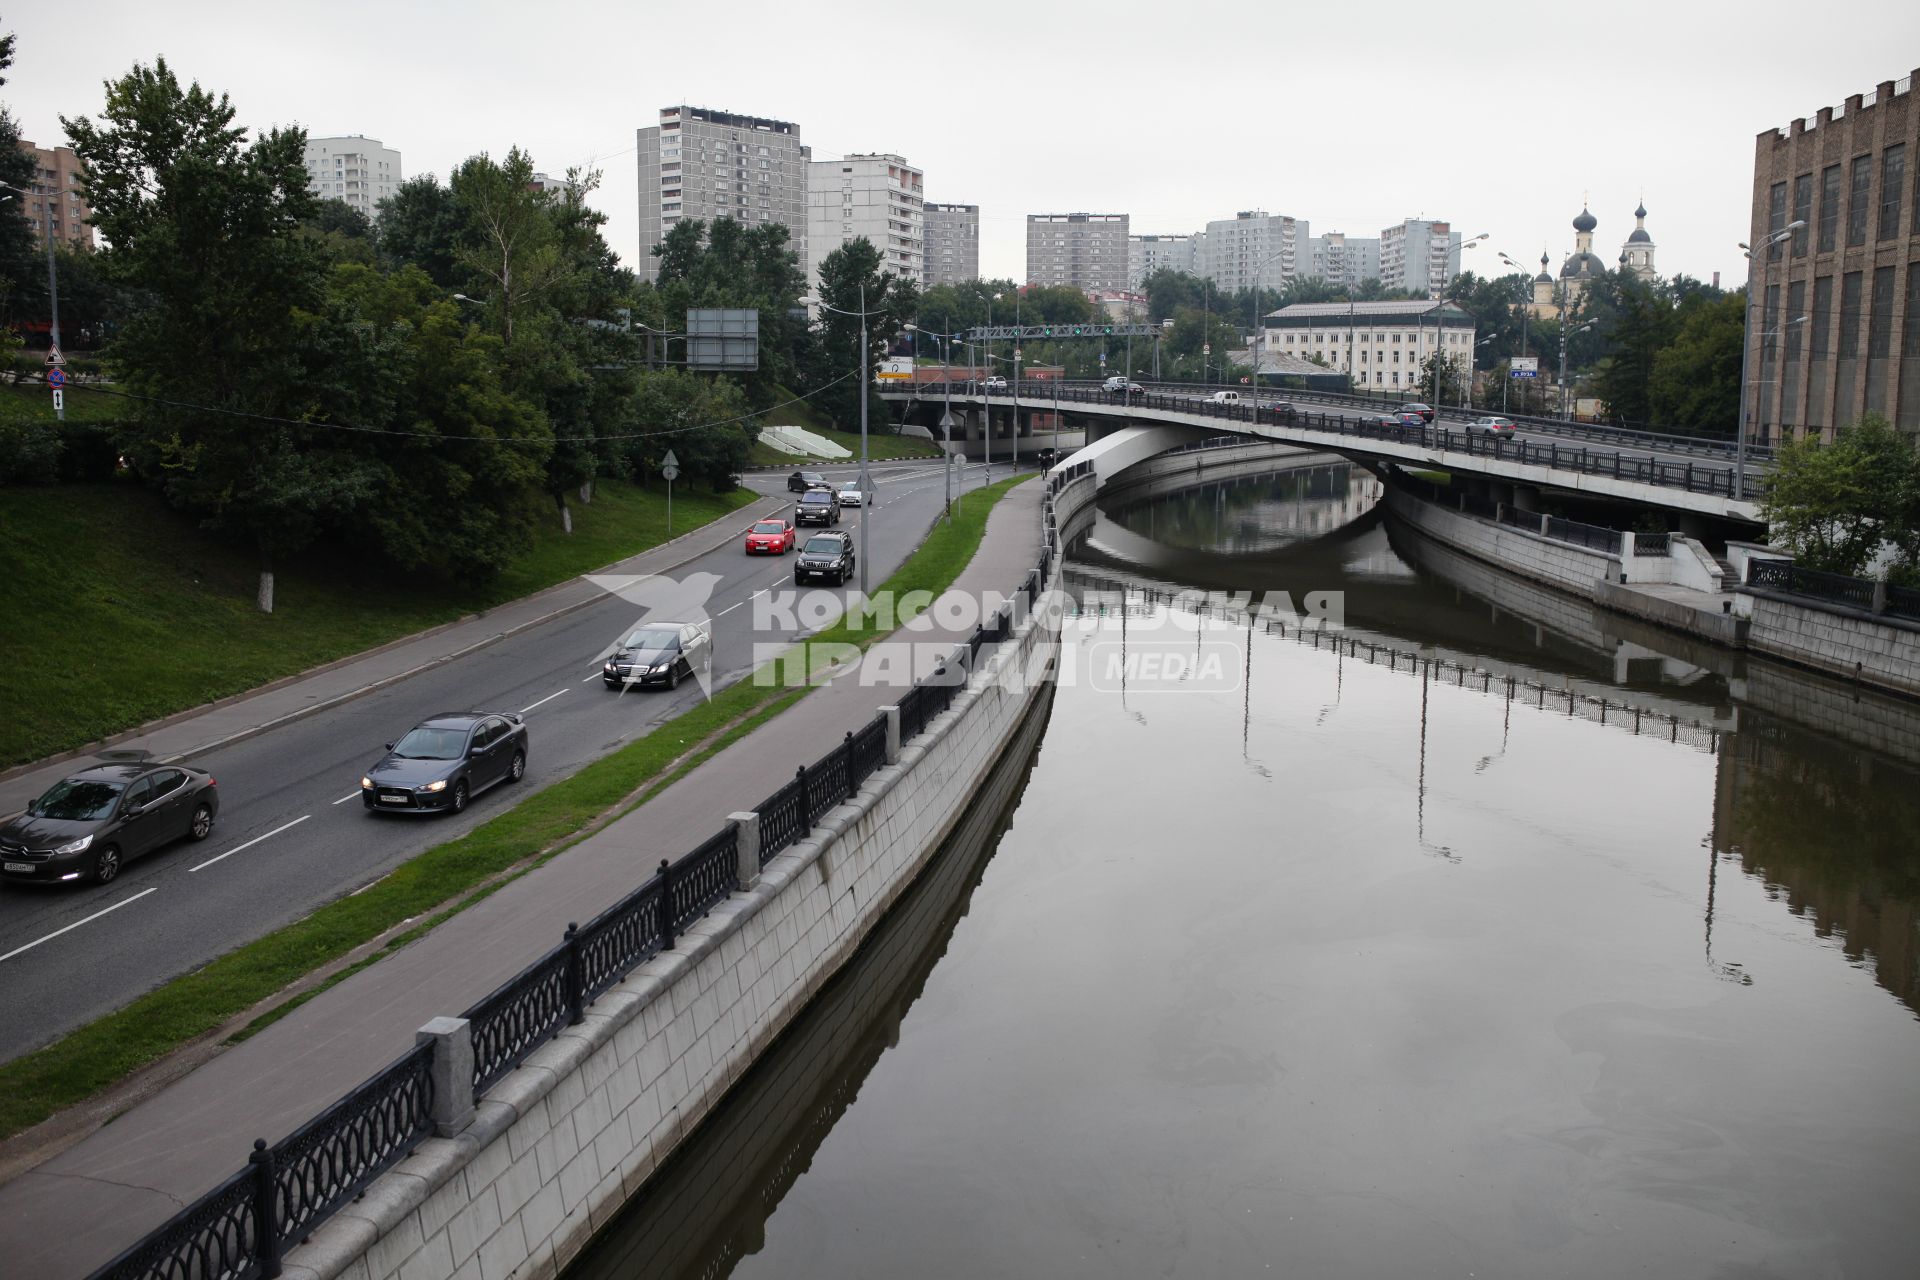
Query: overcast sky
x=1499 y=117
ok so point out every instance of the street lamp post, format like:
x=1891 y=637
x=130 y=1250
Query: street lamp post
x=946 y=417
x=1439 y=333
x=866 y=476
x=53 y=284
x=1754 y=295
x=1526 y=313
x=1565 y=414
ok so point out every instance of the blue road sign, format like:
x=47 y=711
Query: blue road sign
x=56 y=377
x=1523 y=373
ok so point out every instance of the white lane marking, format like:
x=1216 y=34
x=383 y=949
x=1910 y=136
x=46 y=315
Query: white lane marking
x=76 y=924
x=345 y=798
x=590 y=679
x=549 y=698
x=249 y=844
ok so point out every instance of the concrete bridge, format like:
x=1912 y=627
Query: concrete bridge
x=1695 y=478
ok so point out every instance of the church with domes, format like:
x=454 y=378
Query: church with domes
x=1583 y=266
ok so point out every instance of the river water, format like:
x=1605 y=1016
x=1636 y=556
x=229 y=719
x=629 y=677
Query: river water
x=1473 y=939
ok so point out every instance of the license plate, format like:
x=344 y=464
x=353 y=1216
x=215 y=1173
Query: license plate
x=393 y=799
x=19 y=866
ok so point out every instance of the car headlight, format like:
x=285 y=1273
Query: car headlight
x=366 y=783
x=441 y=785
x=658 y=667
x=75 y=846
x=609 y=669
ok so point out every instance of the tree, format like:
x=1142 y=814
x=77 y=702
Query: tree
x=730 y=264
x=703 y=421
x=22 y=268
x=205 y=229
x=1644 y=325
x=1451 y=375
x=420 y=225
x=850 y=276
x=1695 y=387
x=1836 y=505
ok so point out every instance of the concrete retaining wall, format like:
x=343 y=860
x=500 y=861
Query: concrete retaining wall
x=1854 y=645
x=1558 y=564
x=560 y=1144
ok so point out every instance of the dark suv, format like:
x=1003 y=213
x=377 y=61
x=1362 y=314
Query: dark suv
x=817 y=506
x=826 y=555
x=801 y=481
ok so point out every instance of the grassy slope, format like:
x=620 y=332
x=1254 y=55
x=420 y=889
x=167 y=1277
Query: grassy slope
x=132 y=613
x=443 y=879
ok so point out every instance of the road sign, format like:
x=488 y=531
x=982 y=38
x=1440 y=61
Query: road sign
x=1523 y=373
x=54 y=357
x=1525 y=364
x=670 y=466
x=59 y=400
x=1206 y=348
x=56 y=377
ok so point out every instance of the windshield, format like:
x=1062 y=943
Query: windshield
x=77 y=800
x=816 y=496
x=824 y=546
x=769 y=526
x=651 y=638
x=432 y=744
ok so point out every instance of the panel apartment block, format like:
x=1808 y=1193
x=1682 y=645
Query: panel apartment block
x=1852 y=174
x=1085 y=250
x=1148 y=254
x=1419 y=253
x=56 y=178
x=704 y=164
x=353 y=169
x=953 y=243
x=1252 y=246
x=878 y=198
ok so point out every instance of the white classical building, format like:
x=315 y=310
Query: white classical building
x=353 y=169
x=1382 y=346
x=879 y=197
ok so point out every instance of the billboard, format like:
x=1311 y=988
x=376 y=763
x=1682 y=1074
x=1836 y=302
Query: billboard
x=1524 y=367
x=894 y=370
x=723 y=339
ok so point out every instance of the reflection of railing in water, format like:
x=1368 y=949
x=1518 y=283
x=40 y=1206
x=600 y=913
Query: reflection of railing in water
x=1569 y=702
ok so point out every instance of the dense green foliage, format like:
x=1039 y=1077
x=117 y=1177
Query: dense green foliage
x=1836 y=505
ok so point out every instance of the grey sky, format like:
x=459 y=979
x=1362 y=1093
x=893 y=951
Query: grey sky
x=1498 y=117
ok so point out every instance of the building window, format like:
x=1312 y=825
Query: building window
x=1849 y=315
x=1819 y=342
x=1802 y=212
x=1829 y=207
x=1857 y=200
x=1880 y=318
x=1796 y=307
x=1910 y=346
x=1776 y=216
x=1893 y=184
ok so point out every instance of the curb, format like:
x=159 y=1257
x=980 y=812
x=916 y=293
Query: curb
x=178 y=717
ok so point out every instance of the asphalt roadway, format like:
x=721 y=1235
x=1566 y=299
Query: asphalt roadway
x=292 y=833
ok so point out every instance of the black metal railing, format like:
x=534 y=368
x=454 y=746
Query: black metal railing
x=1652 y=544
x=242 y=1227
x=1903 y=602
x=1592 y=536
x=1788 y=577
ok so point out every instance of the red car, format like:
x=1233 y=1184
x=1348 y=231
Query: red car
x=775 y=537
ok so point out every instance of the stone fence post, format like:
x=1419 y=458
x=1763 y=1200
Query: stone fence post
x=451 y=1072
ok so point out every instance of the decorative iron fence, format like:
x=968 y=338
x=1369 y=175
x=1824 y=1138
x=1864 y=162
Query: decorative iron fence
x=1592 y=536
x=1837 y=588
x=1652 y=544
x=241 y=1228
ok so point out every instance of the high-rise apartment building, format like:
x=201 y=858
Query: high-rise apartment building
x=56 y=177
x=1341 y=260
x=1833 y=321
x=878 y=198
x=1148 y=254
x=702 y=164
x=355 y=170
x=1252 y=247
x=1421 y=254
x=1085 y=250
x=953 y=243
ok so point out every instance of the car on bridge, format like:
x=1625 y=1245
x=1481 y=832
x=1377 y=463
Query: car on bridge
x=94 y=821
x=996 y=383
x=1224 y=397
x=770 y=537
x=1424 y=410
x=1493 y=425
x=1408 y=416
x=662 y=653
x=1280 y=412
x=446 y=760
x=1122 y=387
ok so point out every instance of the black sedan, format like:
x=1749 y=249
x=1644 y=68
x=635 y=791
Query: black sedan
x=89 y=825
x=801 y=481
x=445 y=761
x=661 y=653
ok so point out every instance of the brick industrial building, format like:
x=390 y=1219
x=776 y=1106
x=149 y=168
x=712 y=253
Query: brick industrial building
x=1834 y=322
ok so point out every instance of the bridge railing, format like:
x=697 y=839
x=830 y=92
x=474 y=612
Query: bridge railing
x=1712 y=475
x=244 y=1226
x=1865 y=594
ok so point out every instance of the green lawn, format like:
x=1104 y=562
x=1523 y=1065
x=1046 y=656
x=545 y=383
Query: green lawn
x=124 y=611
x=443 y=880
x=880 y=447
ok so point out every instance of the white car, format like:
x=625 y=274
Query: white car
x=1492 y=425
x=996 y=383
x=851 y=495
x=1224 y=397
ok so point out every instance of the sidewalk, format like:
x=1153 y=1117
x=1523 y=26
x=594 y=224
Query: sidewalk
x=82 y=1207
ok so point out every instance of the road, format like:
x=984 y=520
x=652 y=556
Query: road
x=293 y=834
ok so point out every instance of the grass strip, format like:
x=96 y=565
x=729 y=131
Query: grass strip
x=95 y=1057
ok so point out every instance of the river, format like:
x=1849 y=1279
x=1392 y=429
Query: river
x=1472 y=939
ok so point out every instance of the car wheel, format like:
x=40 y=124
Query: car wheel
x=460 y=795
x=673 y=678
x=518 y=769
x=106 y=865
x=202 y=825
